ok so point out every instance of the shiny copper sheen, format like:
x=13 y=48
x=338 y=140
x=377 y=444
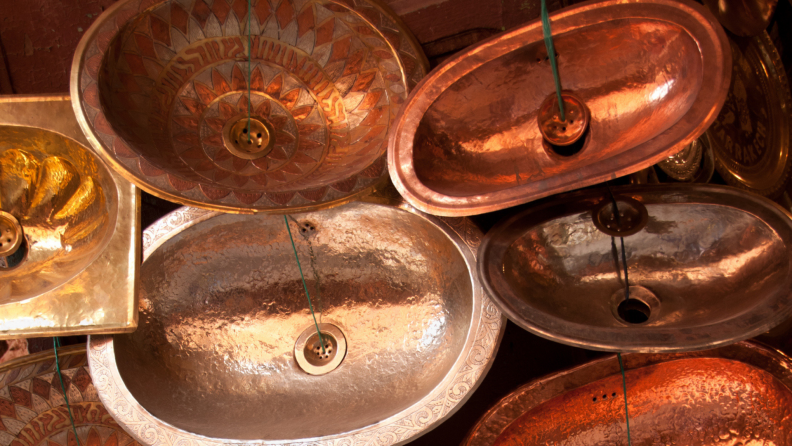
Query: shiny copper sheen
x=716 y=258
x=632 y=216
x=563 y=132
x=750 y=138
x=11 y=235
x=653 y=74
x=248 y=138
x=156 y=85
x=222 y=306
x=738 y=394
x=35 y=410
x=684 y=165
x=75 y=269
x=743 y=17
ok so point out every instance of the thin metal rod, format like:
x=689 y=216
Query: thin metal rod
x=55 y=346
x=548 y=39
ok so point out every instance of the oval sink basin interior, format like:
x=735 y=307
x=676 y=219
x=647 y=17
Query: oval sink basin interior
x=65 y=201
x=740 y=394
x=467 y=140
x=222 y=306
x=163 y=89
x=711 y=266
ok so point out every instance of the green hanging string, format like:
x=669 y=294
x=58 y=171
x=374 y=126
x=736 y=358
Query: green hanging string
x=624 y=387
x=305 y=286
x=548 y=39
x=55 y=346
x=250 y=56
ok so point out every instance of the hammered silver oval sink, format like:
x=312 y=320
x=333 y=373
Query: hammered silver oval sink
x=710 y=267
x=222 y=307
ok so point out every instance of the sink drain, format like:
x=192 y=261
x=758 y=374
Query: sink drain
x=638 y=309
x=632 y=217
x=248 y=140
x=309 y=353
x=10 y=234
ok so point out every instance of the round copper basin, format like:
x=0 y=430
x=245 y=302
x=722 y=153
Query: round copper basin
x=739 y=394
x=710 y=267
x=158 y=85
x=653 y=75
x=62 y=202
x=222 y=308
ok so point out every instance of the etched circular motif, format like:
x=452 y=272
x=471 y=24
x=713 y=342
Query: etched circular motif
x=154 y=81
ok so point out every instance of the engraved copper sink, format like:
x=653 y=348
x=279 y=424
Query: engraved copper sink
x=653 y=74
x=222 y=305
x=739 y=394
x=711 y=266
x=164 y=90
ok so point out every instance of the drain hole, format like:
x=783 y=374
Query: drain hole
x=16 y=258
x=570 y=150
x=634 y=311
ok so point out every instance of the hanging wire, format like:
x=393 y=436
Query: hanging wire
x=623 y=251
x=305 y=286
x=55 y=346
x=548 y=40
x=624 y=387
x=250 y=56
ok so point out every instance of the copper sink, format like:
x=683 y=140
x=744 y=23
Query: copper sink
x=653 y=75
x=218 y=355
x=711 y=266
x=167 y=92
x=739 y=394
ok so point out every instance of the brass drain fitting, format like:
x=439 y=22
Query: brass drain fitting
x=309 y=354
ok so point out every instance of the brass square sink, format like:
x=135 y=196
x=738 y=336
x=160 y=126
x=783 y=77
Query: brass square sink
x=73 y=269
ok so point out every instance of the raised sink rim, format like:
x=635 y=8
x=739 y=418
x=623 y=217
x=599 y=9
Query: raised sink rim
x=699 y=117
x=483 y=338
x=500 y=238
x=530 y=395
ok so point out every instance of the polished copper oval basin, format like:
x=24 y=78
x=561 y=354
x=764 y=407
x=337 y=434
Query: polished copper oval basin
x=710 y=267
x=740 y=394
x=222 y=307
x=64 y=203
x=281 y=109
x=653 y=74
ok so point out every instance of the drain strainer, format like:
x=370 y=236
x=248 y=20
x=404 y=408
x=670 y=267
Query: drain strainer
x=309 y=353
x=10 y=234
x=248 y=138
x=632 y=217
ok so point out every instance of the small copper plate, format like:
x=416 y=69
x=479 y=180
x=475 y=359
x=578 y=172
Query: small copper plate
x=738 y=394
x=750 y=138
x=717 y=259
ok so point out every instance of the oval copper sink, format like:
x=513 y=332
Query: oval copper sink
x=64 y=203
x=467 y=140
x=739 y=394
x=222 y=307
x=283 y=109
x=710 y=267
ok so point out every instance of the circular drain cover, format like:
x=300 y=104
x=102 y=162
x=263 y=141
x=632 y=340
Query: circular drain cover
x=10 y=234
x=314 y=359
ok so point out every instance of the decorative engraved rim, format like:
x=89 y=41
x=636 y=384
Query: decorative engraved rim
x=483 y=338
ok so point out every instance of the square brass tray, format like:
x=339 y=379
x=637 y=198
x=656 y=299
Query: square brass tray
x=103 y=297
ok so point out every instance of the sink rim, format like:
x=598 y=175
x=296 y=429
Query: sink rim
x=499 y=239
x=536 y=392
x=400 y=142
x=483 y=338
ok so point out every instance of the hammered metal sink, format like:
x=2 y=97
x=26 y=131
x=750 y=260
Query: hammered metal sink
x=64 y=203
x=710 y=267
x=222 y=307
x=739 y=394
x=167 y=92
x=653 y=75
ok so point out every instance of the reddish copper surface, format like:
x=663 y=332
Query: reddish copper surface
x=467 y=139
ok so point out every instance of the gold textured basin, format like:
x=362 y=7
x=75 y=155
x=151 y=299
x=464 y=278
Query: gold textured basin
x=222 y=308
x=167 y=92
x=711 y=266
x=653 y=75
x=739 y=394
x=64 y=201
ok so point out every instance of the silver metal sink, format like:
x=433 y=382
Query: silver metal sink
x=222 y=307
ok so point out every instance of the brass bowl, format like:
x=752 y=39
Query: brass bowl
x=222 y=307
x=653 y=75
x=739 y=394
x=164 y=91
x=65 y=203
x=710 y=267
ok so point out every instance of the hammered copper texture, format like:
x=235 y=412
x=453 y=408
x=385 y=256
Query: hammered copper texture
x=222 y=305
x=33 y=410
x=716 y=258
x=65 y=201
x=653 y=74
x=738 y=394
x=156 y=82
